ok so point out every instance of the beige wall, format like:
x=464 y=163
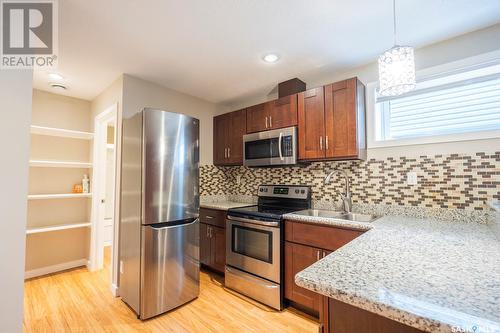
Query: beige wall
x=138 y=94
x=15 y=119
x=54 y=110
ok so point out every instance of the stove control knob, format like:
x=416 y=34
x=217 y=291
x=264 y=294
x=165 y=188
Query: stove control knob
x=297 y=191
x=302 y=191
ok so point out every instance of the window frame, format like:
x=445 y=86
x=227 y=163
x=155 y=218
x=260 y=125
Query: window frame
x=374 y=125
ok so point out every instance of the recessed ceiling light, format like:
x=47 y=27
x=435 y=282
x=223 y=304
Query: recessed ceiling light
x=271 y=58
x=55 y=76
x=58 y=86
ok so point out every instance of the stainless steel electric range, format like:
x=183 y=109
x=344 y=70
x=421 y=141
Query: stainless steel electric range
x=255 y=239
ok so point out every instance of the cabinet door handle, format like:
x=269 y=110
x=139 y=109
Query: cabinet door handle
x=229 y=152
x=324 y=254
x=209 y=217
x=326 y=142
x=318 y=254
x=266 y=121
x=270 y=121
x=321 y=143
x=208 y=231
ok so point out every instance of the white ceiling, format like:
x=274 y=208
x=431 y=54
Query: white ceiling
x=213 y=48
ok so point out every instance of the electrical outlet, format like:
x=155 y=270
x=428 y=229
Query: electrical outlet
x=238 y=179
x=121 y=266
x=411 y=178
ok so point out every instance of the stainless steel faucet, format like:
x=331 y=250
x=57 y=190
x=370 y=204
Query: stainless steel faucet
x=346 y=197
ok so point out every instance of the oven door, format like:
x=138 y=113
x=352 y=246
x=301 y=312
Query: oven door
x=254 y=248
x=275 y=147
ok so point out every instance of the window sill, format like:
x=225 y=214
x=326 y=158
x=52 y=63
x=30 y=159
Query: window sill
x=495 y=134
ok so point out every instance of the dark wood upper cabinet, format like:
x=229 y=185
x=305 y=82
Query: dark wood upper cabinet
x=332 y=122
x=283 y=112
x=229 y=129
x=345 y=119
x=238 y=127
x=275 y=114
x=257 y=118
x=311 y=113
x=221 y=128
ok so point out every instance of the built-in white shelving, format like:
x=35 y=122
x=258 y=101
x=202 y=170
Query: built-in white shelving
x=38 y=230
x=110 y=146
x=58 y=196
x=60 y=164
x=52 y=131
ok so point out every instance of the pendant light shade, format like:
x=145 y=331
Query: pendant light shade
x=396 y=67
x=396 y=70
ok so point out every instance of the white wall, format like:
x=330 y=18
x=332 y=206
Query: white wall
x=15 y=117
x=464 y=46
x=138 y=94
x=482 y=44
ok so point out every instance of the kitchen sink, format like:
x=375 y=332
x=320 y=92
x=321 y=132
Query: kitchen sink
x=360 y=217
x=338 y=215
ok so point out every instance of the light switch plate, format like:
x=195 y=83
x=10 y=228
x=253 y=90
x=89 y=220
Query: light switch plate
x=411 y=178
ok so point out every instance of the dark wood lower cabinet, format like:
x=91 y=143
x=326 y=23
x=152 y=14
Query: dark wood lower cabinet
x=213 y=247
x=345 y=318
x=218 y=249
x=205 y=244
x=297 y=258
x=213 y=239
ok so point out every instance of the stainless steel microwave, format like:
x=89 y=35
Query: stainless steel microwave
x=270 y=148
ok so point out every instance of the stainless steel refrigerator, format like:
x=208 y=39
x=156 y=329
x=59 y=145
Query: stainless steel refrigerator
x=159 y=227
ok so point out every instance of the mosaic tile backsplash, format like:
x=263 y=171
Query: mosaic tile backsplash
x=464 y=182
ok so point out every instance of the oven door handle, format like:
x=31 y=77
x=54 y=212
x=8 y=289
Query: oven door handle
x=257 y=222
x=256 y=280
x=280 y=139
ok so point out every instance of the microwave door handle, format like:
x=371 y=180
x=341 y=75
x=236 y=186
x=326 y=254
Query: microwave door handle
x=279 y=145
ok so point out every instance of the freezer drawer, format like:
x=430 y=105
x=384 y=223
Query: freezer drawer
x=170 y=267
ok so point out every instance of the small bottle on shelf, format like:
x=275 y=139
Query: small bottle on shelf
x=86 y=184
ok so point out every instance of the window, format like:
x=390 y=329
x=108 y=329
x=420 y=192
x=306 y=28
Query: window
x=468 y=102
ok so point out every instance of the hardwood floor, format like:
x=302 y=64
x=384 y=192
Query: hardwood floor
x=80 y=301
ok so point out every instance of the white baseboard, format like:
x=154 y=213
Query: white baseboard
x=55 y=268
x=114 y=290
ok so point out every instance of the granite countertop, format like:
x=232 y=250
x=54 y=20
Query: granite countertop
x=223 y=205
x=431 y=275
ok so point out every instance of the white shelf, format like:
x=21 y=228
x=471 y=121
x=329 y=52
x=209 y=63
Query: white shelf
x=57 y=227
x=60 y=164
x=110 y=146
x=65 y=133
x=58 y=196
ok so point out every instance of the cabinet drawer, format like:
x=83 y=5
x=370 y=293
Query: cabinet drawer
x=213 y=217
x=324 y=237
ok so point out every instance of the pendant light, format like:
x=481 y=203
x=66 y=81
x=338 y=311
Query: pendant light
x=396 y=67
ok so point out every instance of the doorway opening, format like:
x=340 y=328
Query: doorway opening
x=103 y=240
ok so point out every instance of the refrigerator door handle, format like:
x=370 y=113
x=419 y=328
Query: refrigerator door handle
x=163 y=226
